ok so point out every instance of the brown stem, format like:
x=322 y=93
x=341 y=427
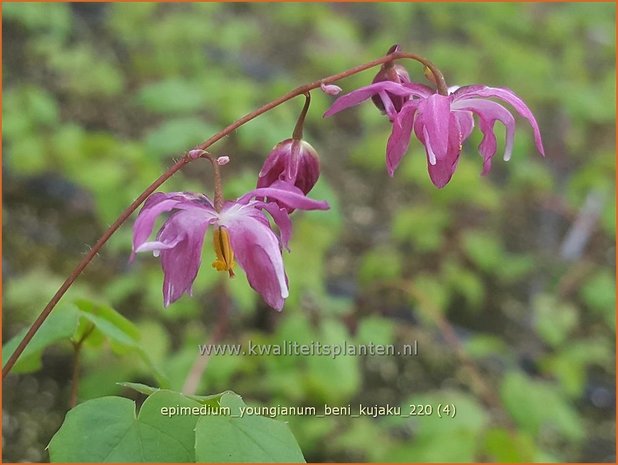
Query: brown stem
x=442 y=88
x=217 y=177
x=201 y=361
x=300 y=123
x=75 y=379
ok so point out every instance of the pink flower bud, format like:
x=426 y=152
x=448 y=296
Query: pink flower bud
x=395 y=73
x=293 y=161
x=195 y=153
x=330 y=89
x=224 y=160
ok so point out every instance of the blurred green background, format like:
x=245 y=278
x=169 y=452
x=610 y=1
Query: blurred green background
x=512 y=273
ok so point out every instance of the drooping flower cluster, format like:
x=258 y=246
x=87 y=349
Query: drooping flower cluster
x=441 y=122
x=241 y=231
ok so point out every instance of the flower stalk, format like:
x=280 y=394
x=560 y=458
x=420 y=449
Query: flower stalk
x=189 y=157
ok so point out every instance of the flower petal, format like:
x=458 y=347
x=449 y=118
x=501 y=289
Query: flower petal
x=466 y=123
x=489 y=112
x=389 y=106
x=399 y=140
x=160 y=202
x=419 y=90
x=511 y=98
x=359 y=95
x=442 y=171
x=257 y=251
x=286 y=194
x=282 y=220
x=434 y=115
x=181 y=262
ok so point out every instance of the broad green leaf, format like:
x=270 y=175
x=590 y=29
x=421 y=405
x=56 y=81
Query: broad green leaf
x=244 y=438
x=108 y=430
x=149 y=390
x=60 y=325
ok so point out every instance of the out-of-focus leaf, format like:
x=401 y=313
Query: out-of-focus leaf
x=554 y=320
x=538 y=406
x=505 y=446
x=59 y=326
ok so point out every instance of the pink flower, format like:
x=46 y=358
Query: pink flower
x=241 y=231
x=443 y=122
x=294 y=161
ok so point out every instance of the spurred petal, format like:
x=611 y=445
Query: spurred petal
x=180 y=263
x=442 y=171
x=508 y=96
x=257 y=251
x=282 y=220
x=399 y=140
x=466 y=123
x=489 y=112
x=434 y=115
x=160 y=202
x=285 y=194
x=359 y=95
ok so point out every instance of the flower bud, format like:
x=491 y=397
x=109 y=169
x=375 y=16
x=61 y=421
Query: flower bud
x=391 y=72
x=294 y=161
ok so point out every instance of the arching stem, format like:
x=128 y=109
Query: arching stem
x=301 y=90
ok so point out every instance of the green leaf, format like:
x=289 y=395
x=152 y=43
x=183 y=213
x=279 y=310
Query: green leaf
x=380 y=265
x=60 y=325
x=170 y=96
x=108 y=430
x=248 y=438
x=174 y=136
x=422 y=226
x=432 y=433
x=122 y=334
x=599 y=292
x=538 y=405
x=554 y=320
x=212 y=399
x=508 y=446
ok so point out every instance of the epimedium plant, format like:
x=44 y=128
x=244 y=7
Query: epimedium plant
x=109 y=428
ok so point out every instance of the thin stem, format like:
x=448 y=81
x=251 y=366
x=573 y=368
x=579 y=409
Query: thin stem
x=217 y=177
x=201 y=361
x=300 y=123
x=76 y=362
x=442 y=89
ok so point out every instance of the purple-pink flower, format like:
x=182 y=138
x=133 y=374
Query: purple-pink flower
x=294 y=161
x=241 y=231
x=442 y=122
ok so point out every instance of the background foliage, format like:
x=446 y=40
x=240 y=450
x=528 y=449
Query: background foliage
x=513 y=272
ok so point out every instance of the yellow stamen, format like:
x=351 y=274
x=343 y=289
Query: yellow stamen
x=223 y=249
